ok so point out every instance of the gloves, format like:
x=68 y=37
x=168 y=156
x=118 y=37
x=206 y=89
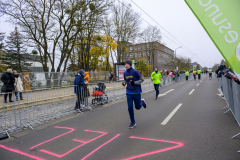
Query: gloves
x=131 y=82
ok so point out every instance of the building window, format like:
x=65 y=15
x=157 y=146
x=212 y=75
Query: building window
x=135 y=47
x=126 y=55
x=139 y=54
x=136 y=55
x=148 y=46
x=139 y=47
x=144 y=46
x=131 y=55
x=144 y=54
x=148 y=53
x=130 y=48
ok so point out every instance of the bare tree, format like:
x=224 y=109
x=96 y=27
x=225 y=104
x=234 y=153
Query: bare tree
x=52 y=25
x=183 y=63
x=153 y=38
x=92 y=28
x=126 y=26
x=2 y=66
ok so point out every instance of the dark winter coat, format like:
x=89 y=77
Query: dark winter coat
x=78 y=84
x=9 y=80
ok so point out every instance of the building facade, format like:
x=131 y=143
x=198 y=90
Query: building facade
x=195 y=65
x=36 y=65
x=155 y=53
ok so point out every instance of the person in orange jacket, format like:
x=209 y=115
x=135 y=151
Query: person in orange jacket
x=87 y=77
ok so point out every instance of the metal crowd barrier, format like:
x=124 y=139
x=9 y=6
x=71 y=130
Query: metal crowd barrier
x=231 y=92
x=43 y=105
x=167 y=79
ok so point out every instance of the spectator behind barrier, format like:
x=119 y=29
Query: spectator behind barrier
x=227 y=73
x=18 y=86
x=8 y=80
x=79 y=89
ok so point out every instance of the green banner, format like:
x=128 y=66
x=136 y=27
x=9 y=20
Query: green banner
x=220 y=19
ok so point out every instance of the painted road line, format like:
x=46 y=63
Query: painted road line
x=198 y=84
x=203 y=78
x=191 y=92
x=169 y=91
x=161 y=95
x=171 y=114
x=164 y=94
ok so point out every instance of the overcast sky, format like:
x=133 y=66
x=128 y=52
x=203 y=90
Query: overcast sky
x=177 y=19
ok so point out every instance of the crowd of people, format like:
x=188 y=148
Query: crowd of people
x=12 y=83
x=228 y=73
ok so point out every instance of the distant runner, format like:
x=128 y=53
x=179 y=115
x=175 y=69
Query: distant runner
x=187 y=74
x=194 y=74
x=210 y=73
x=199 y=74
x=156 y=77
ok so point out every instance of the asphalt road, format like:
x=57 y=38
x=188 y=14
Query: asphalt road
x=177 y=126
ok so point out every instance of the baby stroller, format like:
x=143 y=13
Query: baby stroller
x=99 y=94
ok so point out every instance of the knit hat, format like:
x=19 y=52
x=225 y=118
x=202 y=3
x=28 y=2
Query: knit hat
x=128 y=62
x=81 y=72
x=222 y=67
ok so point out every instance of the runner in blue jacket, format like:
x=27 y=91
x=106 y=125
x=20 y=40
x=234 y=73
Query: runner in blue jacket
x=133 y=80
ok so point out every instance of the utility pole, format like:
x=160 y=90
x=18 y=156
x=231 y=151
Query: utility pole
x=176 y=56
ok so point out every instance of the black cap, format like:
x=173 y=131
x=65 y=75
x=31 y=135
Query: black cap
x=128 y=62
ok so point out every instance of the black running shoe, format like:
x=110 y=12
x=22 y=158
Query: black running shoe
x=145 y=104
x=132 y=125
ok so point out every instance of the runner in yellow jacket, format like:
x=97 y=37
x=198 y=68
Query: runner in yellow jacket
x=194 y=74
x=210 y=73
x=187 y=74
x=199 y=74
x=156 y=77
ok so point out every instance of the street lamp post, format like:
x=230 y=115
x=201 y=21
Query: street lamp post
x=176 y=56
x=176 y=51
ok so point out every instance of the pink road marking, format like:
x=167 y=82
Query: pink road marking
x=80 y=141
x=20 y=152
x=100 y=147
x=61 y=155
x=155 y=152
x=84 y=142
x=55 y=137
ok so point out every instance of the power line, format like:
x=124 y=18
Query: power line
x=147 y=22
x=160 y=26
x=165 y=29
